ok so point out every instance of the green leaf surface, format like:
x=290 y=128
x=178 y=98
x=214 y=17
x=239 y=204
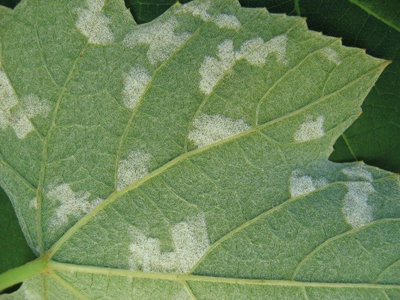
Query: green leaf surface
x=372 y=138
x=188 y=158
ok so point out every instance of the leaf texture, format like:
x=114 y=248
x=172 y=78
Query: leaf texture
x=187 y=158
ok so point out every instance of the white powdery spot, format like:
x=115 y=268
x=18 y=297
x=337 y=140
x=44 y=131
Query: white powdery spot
x=227 y=21
x=303 y=184
x=332 y=55
x=255 y=51
x=17 y=119
x=70 y=203
x=358 y=172
x=197 y=9
x=133 y=168
x=31 y=295
x=160 y=37
x=134 y=85
x=190 y=241
x=210 y=129
x=33 y=203
x=310 y=130
x=213 y=69
x=94 y=24
x=356 y=208
x=35 y=106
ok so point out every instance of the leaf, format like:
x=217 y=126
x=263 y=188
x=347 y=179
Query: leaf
x=188 y=158
x=370 y=138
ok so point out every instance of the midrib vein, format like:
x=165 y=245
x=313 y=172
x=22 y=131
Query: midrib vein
x=57 y=266
x=39 y=195
x=114 y=196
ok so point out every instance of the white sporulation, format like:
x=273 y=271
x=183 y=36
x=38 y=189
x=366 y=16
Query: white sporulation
x=33 y=203
x=213 y=69
x=332 y=55
x=94 y=24
x=31 y=295
x=256 y=51
x=133 y=168
x=34 y=106
x=227 y=21
x=16 y=115
x=200 y=10
x=210 y=129
x=190 y=242
x=310 y=130
x=356 y=208
x=197 y=9
x=358 y=172
x=303 y=184
x=134 y=85
x=70 y=203
x=160 y=37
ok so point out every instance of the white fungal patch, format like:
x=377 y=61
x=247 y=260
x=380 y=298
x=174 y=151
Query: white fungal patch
x=160 y=37
x=11 y=113
x=332 y=55
x=303 y=184
x=358 y=172
x=34 y=106
x=356 y=208
x=210 y=129
x=256 y=51
x=94 y=24
x=71 y=204
x=133 y=168
x=213 y=69
x=190 y=242
x=33 y=203
x=197 y=9
x=135 y=84
x=310 y=130
x=227 y=21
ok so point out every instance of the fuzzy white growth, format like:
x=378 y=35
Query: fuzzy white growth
x=70 y=203
x=133 y=168
x=213 y=69
x=33 y=203
x=356 y=208
x=332 y=55
x=94 y=24
x=210 y=129
x=160 y=37
x=255 y=51
x=303 y=184
x=135 y=84
x=18 y=119
x=34 y=106
x=190 y=241
x=310 y=130
x=197 y=9
x=181 y=295
x=358 y=172
x=227 y=21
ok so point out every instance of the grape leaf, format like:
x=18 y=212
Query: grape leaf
x=188 y=158
x=371 y=137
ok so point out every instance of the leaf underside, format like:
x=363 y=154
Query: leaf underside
x=188 y=158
